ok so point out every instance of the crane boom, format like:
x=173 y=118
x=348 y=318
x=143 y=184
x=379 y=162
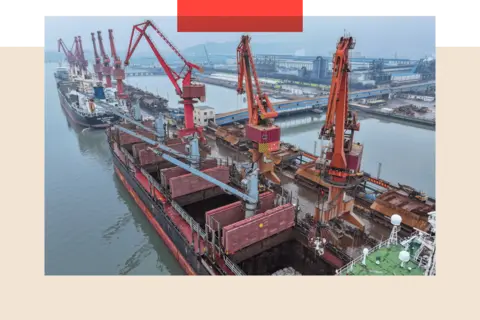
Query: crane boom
x=189 y=92
x=340 y=169
x=68 y=54
x=264 y=136
x=98 y=60
x=258 y=104
x=81 y=56
x=118 y=71
x=206 y=54
x=107 y=69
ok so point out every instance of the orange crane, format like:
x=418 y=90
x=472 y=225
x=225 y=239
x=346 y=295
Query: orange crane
x=340 y=168
x=107 y=69
x=118 y=72
x=260 y=130
x=98 y=61
x=68 y=54
x=190 y=92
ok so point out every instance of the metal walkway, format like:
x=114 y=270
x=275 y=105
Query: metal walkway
x=302 y=105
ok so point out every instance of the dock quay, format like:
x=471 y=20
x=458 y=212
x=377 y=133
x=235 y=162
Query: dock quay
x=391 y=115
x=307 y=104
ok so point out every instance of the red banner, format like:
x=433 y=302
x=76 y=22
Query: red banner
x=239 y=16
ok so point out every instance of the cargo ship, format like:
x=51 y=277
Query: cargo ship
x=205 y=224
x=77 y=96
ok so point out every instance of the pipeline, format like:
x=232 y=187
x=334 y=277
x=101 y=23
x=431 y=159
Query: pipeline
x=187 y=167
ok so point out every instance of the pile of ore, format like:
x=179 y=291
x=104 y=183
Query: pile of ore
x=289 y=271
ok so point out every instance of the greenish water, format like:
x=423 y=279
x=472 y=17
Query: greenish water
x=93 y=227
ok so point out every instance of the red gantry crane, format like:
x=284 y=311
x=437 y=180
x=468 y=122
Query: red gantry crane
x=68 y=54
x=264 y=136
x=80 y=55
x=98 y=60
x=107 y=69
x=190 y=92
x=118 y=72
x=340 y=169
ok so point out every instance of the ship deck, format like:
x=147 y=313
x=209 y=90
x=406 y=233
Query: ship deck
x=390 y=264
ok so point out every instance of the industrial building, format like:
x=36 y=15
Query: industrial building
x=203 y=114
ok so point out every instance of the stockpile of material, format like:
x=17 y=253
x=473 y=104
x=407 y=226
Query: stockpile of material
x=289 y=271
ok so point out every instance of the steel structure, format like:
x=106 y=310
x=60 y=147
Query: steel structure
x=82 y=63
x=98 y=60
x=339 y=168
x=265 y=136
x=71 y=59
x=189 y=92
x=118 y=71
x=107 y=68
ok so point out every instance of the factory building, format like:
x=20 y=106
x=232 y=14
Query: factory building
x=203 y=114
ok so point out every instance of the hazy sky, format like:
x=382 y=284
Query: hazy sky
x=412 y=37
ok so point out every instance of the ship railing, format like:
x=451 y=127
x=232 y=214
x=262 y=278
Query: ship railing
x=191 y=222
x=232 y=266
x=216 y=244
x=349 y=266
x=380 y=245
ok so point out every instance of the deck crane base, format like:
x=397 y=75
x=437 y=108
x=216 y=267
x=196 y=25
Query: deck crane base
x=339 y=166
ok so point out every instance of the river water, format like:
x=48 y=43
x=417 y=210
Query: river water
x=93 y=227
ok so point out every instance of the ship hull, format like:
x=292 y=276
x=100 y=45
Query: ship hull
x=96 y=122
x=183 y=252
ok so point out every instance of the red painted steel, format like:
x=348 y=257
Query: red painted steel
x=254 y=229
x=136 y=148
x=168 y=173
x=262 y=134
x=266 y=201
x=125 y=138
x=333 y=259
x=224 y=216
x=119 y=153
x=178 y=255
x=354 y=158
x=189 y=183
x=147 y=156
x=194 y=91
x=180 y=147
x=231 y=213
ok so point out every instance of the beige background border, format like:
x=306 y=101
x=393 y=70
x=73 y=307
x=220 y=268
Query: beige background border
x=28 y=294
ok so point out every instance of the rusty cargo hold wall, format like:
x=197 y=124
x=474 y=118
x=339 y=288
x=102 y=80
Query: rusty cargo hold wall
x=167 y=174
x=190 y=183
x=254 y=229
x=234 y=212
